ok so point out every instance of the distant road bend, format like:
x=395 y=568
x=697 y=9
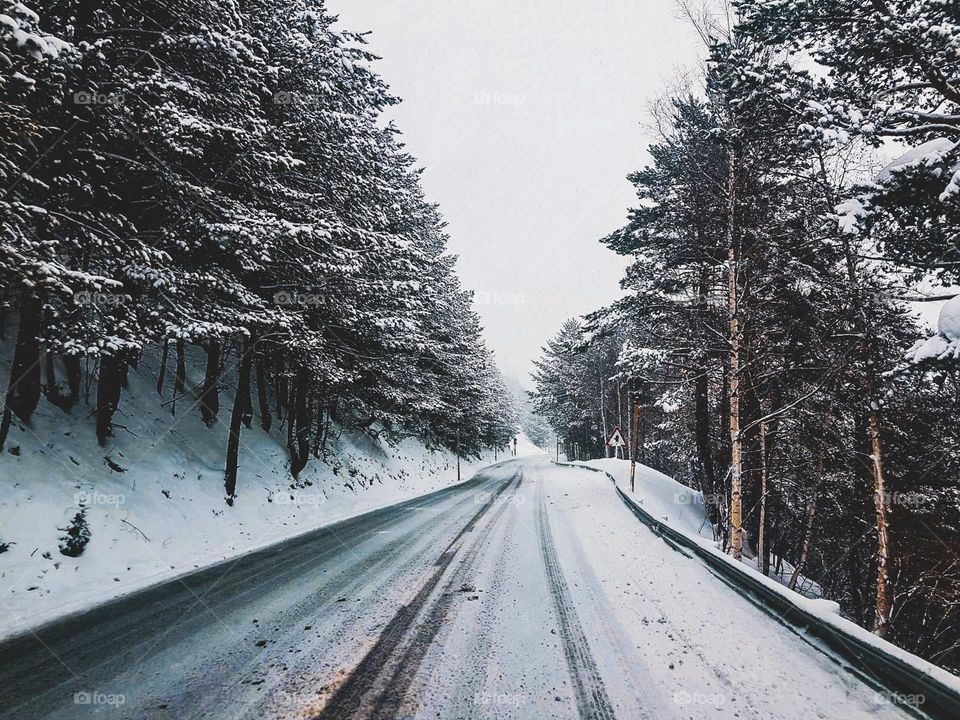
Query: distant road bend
x=527 y=592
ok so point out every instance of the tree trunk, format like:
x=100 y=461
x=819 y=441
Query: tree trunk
x=807 y=539
x=701 y=391
x=882 y=601
x=25 y=376
x=284 y=396
x=240 y=402
x=298 y=422
x=74 y=377
x=736 y=450
x=180 y=379
x=53 y=393
x=109 y=388
x=291 y=419
x=634 y=435
x=762 y=551
x=603 y=423
x=210 y=396
x=23 y=387
x=266 y=417
x=621 y=452
x=881 y=505
x=163 y=366
x=246 y=416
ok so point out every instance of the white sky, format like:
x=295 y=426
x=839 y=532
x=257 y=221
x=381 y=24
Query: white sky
x=526 y=115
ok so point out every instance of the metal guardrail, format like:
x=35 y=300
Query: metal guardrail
x=900 y=682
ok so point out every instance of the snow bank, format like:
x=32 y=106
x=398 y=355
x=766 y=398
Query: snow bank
x=154 y=498
x=660 y=495
x=684 y=510
x=652 y=491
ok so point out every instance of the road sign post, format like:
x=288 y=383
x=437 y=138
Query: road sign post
x=634 y=435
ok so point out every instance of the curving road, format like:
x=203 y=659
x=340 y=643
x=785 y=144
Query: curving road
x=528 y=592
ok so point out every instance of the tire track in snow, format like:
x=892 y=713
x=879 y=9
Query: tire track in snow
x=591 y=694
x=358 y=695
x=394 y=703
x=480 y=644
x=651 y=703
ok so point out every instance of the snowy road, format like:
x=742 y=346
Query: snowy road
x=530 y=592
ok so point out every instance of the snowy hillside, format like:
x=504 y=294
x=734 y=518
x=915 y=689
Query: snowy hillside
x=153 y=499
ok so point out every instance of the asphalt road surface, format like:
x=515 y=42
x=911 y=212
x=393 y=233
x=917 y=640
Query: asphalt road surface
x=529 y=592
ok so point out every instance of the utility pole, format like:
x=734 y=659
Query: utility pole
x=458 y=451
x=558 y=447
x=634 y=434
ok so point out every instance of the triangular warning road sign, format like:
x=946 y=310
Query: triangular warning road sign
x=616 y=440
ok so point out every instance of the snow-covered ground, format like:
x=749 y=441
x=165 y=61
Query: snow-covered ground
x=154 y=497
x=533 y=594
x=682 y=509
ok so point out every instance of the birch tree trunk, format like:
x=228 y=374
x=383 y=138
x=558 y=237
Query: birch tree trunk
x=882 y=608
x=881 y=505
x=736 y=449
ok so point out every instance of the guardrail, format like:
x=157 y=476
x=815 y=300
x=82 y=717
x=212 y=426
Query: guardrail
x=900 y=681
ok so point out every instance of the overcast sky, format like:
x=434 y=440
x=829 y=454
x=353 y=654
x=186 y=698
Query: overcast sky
x=527 y=116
